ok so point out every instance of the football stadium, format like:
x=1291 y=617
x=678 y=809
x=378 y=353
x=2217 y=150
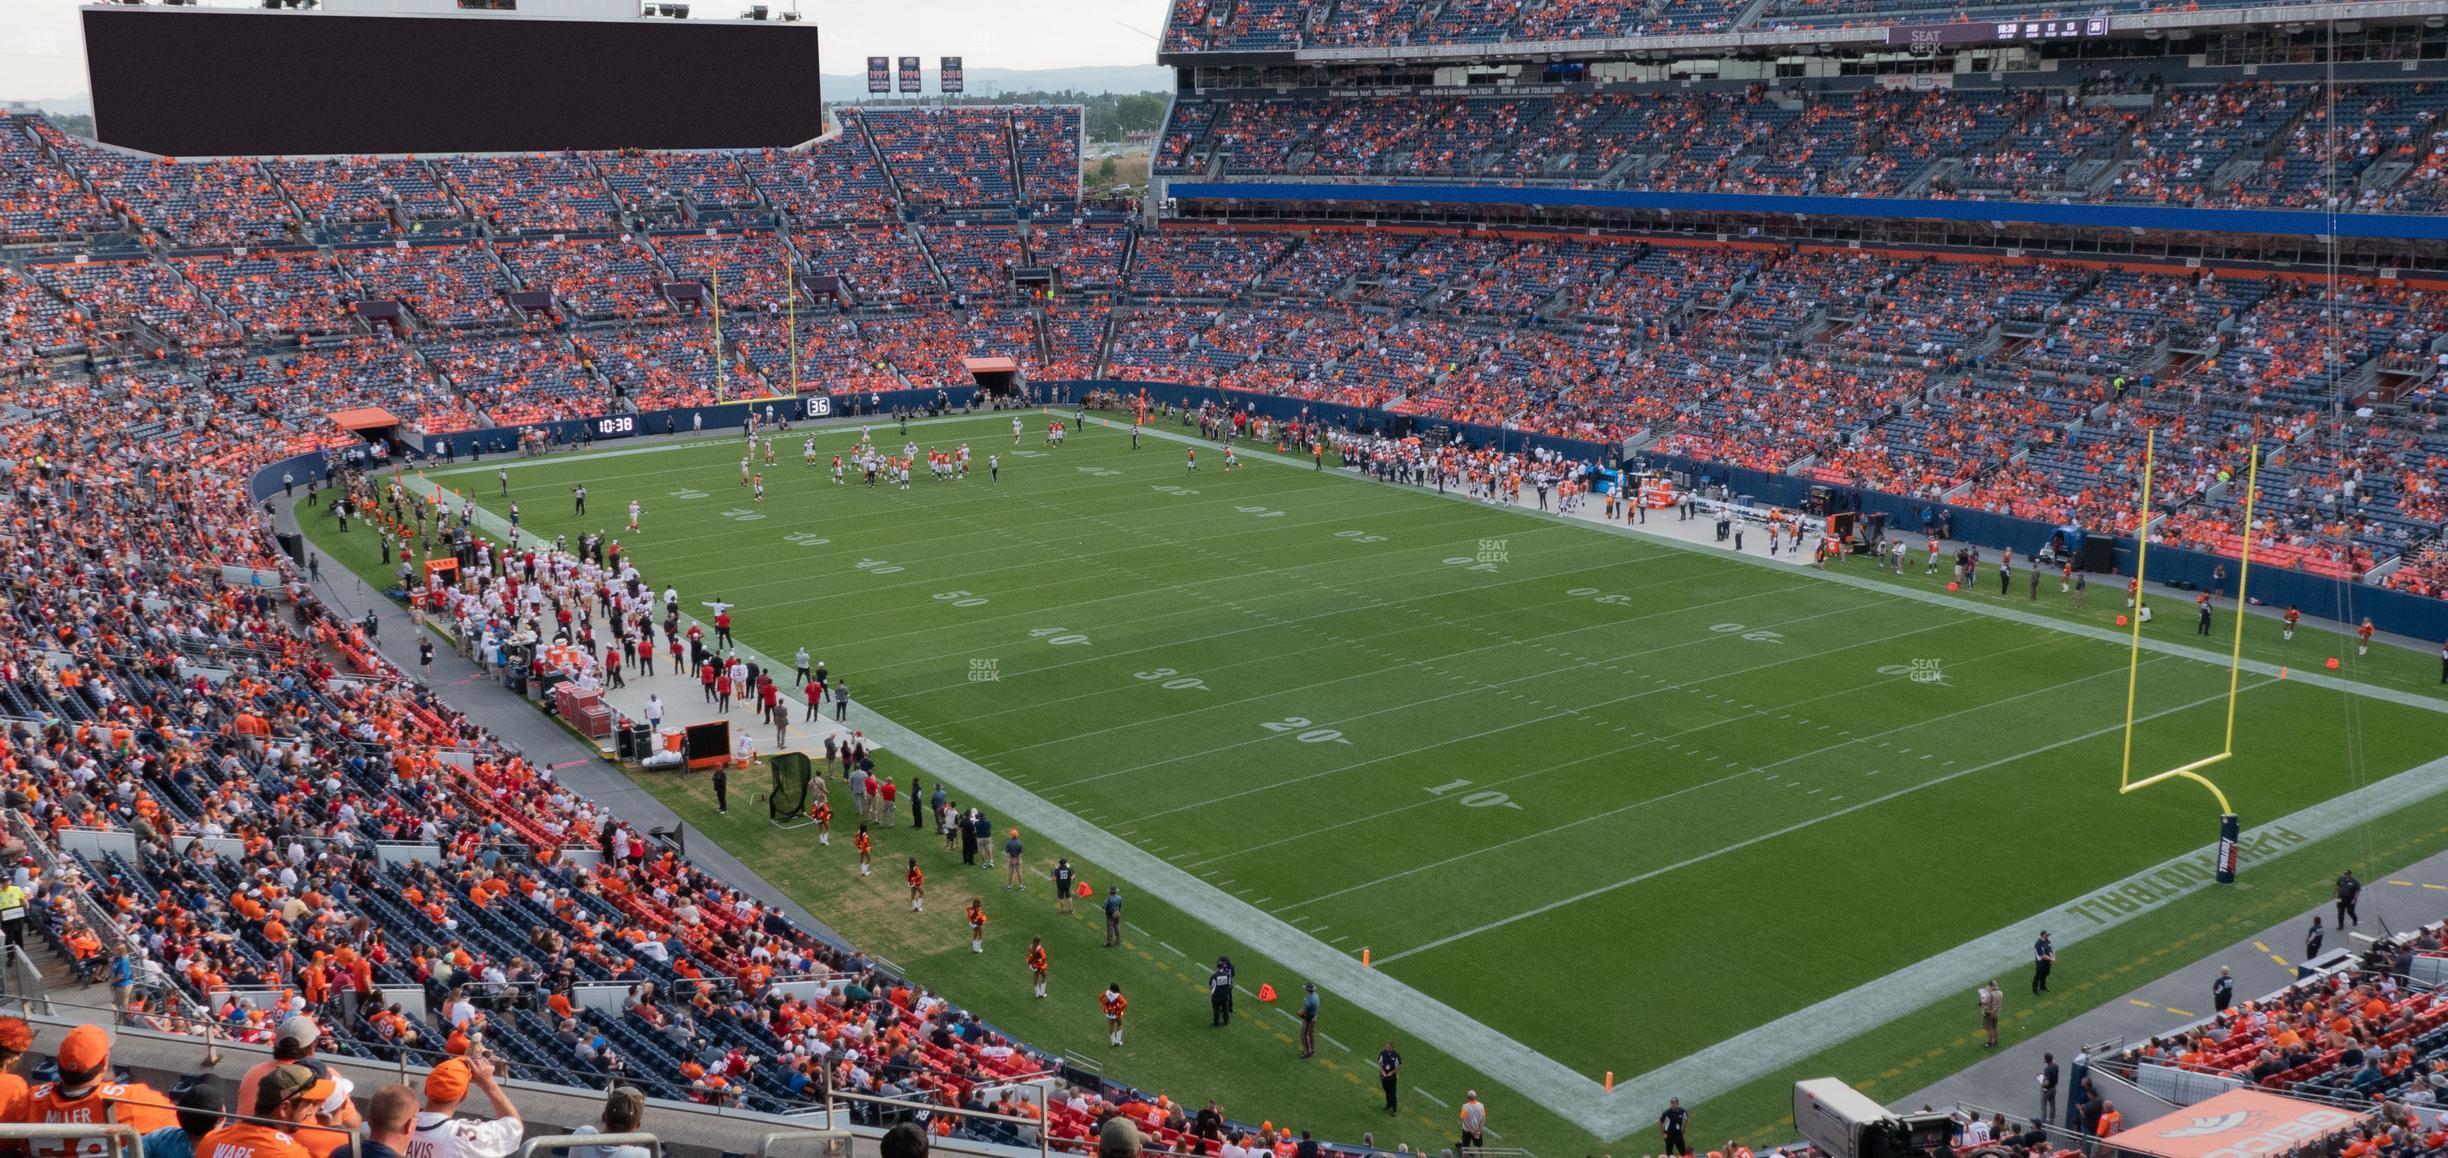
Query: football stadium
x=1837 y=578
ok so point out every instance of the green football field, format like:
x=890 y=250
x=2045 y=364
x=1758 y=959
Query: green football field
x=1607 y=800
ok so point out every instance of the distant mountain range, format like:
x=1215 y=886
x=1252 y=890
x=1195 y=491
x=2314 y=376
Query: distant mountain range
x=1118 y=78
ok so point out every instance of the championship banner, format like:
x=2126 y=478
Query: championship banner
x=950 y=80
x=879 y=74
x=911 y=81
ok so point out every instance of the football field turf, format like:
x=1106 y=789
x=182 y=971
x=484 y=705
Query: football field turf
x=1613 y=799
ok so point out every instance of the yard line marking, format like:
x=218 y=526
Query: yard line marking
x=1478 y=689
x=1433 y=1098
x=1798 y=826
x=1762 y=1050
x=1609 y=814
x=1485 y=732
x=1174 y=951
x=1934 y=599
x=1294 y=622
x=1133 y=927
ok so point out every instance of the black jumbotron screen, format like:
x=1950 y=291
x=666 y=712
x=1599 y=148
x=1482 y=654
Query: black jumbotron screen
x=203 y=82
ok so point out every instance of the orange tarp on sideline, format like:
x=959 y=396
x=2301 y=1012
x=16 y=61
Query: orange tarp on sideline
x=2242 y=1123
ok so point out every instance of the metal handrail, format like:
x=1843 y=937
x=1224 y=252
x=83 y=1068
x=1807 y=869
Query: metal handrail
x=563 y=1143
x=1042 y=1126
x=125 y=1141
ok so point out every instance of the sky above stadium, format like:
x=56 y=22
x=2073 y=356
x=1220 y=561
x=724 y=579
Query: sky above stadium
x=42 y=52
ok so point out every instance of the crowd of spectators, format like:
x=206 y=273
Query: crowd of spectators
x=2242 y=143
x=836 y=179
x=592 y=278
x=187 y=204
x=1085 y=256
x=975 y=259
x=658 y=366
x=273 y=294
x=532 y=378
x=1283 y=25
x=116 y=297
x=2013 y=385
x=876 y=265
x=539 y=193
x=40 y=201
x=449 y=285
x=957 y=157
x=751 y=271
x=365 y=196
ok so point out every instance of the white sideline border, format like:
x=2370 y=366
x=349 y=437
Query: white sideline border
x=1577 y=1097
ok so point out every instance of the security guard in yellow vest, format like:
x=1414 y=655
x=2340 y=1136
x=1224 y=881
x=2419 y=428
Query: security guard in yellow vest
x=13 y=913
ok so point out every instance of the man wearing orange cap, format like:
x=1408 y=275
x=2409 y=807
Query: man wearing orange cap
x=82 y=1095
x=439 y=1135
x=281 y=1100
x=1011 y=863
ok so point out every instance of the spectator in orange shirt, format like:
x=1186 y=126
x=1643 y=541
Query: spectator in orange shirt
x=280 y=1096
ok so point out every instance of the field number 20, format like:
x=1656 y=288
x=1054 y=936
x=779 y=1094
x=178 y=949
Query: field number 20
x=1475 y=799
x=960 y=599
x=1302 y=731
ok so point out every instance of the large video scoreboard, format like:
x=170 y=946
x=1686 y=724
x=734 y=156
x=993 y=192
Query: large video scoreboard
x=197 y=82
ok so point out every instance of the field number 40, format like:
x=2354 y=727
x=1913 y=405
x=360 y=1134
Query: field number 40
x=1475 y=799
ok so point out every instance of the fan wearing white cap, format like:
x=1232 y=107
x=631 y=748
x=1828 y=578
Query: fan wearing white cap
x=295 y=1042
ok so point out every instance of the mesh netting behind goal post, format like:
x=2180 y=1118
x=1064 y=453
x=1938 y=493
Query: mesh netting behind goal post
x=787 y=805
